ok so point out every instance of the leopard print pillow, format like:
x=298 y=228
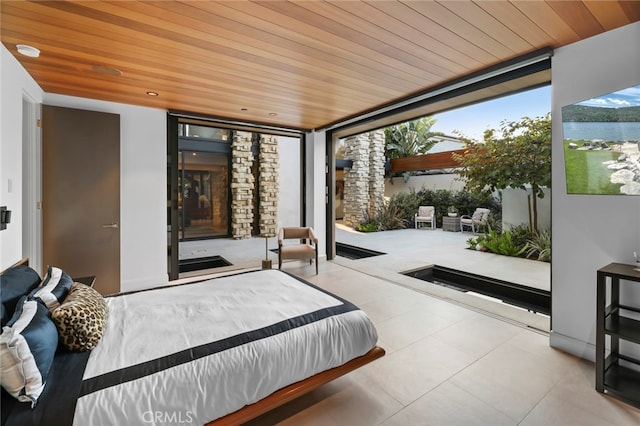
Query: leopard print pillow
x=80 y=318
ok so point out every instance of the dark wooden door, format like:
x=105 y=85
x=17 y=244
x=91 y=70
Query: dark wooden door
x=81 y=194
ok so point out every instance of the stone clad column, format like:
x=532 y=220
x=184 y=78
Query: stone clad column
x=242 y=186
x=364 y=181
x=356 y=180
x=268 y=185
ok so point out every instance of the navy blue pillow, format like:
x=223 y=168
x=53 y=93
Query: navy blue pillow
x=27 y=346
x=14 y=283
x=54 y=288
x=4 y=314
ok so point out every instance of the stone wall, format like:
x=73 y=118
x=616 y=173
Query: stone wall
x=364 y=181
x=242 y=185
x=268 y=185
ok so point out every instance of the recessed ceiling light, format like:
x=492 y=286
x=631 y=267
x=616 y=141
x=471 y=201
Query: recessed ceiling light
x=153 y=94
x=273 y=114
x=29 y=51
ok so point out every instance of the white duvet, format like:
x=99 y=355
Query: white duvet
x=155 y=325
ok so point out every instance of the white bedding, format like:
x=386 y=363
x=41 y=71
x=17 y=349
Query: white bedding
x=259 y=331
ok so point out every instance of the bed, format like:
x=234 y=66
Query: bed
x=220 y=351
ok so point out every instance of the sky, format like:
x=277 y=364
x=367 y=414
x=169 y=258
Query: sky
x=623 y=98
x=473 y=120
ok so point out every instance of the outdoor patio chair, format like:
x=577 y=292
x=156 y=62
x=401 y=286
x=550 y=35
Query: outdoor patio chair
x=477 y=220
x=426 y=214
x=300 y=250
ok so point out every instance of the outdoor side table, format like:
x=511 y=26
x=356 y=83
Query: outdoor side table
x=451 y=223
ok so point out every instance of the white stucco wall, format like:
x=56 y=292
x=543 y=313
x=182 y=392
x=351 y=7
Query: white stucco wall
x=440 y=181
x=515 y=208
x=289 y=181
x=589 y=231
x=315 y=154
x=15 y=85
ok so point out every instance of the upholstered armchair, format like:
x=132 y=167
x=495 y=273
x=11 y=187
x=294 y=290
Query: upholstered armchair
x=477 y=220
x=426 y=214
x=301 y=249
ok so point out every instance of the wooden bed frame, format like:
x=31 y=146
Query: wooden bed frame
x=295 y=390
x=288 y=393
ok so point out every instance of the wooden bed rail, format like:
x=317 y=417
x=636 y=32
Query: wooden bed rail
x=295 y=390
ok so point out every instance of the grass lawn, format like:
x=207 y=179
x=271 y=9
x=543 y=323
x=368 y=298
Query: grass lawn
x=585 y=172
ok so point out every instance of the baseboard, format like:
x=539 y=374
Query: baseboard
x=573 y=346
x=134 y=285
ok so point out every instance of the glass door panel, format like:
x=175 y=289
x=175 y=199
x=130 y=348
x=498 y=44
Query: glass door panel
x=203 y=198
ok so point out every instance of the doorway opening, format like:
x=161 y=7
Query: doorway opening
x=228 y=186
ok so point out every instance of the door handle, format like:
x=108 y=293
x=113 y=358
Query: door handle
x=111 y=225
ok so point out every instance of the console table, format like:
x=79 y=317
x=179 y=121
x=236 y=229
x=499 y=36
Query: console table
x=451 y=223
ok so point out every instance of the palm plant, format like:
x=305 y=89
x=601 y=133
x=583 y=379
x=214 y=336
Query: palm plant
x=410 y=138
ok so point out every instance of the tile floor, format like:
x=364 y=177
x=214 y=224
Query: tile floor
x=448 y=364
x=452 y=359
x=406 y=249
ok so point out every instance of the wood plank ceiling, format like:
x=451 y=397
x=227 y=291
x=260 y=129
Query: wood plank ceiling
x=297 y=64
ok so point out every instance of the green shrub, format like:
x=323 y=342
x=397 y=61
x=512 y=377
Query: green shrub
x=521 y=234
x=406 y=204
x=464 y=201
x=501 y=243
x=368 y=227
x=387 y=218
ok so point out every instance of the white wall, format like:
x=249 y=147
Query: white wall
x=15 y=85
x=515 y=208
x=315 y=161
x=442 y=181
x=589 y=231
x=143 y=196
x=289 y=181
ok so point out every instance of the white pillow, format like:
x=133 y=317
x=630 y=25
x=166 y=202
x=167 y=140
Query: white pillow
x=27 y=346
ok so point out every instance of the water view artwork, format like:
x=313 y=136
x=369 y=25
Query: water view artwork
x=602 y=144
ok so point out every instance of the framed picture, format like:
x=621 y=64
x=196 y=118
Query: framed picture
x=602 y=144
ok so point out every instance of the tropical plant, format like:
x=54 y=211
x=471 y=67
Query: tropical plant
x=410 y=138
x=367 y=227
x=540 y=246
x=500 y=243
x=388 y=217
x=516 y=156
x=521 y=234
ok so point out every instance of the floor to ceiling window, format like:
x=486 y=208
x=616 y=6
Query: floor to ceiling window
x=227 y=185
x=203 y=181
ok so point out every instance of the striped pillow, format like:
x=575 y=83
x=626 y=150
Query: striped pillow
x=27 y=346
x=54 y=288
